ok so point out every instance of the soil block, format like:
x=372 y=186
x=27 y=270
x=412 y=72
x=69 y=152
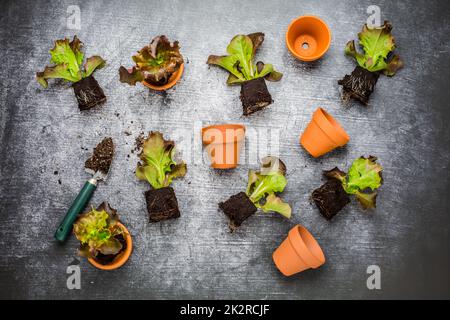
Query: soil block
x=359 y=84
x=102 y=157
x=238 y=208
x=254 y=95
x=162 y=204
x=109 y=258
x=88 y=93
x=330 y=198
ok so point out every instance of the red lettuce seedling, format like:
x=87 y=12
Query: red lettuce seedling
x=263 y=185
x=362 y=180
x=239 y=62
x=100 y=234
x=67 y=58
x=158 y=168
x=378 y=45
x=155 y=63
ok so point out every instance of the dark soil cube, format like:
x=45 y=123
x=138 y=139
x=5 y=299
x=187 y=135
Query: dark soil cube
x=88 y=93
x=254 y=95
x=238 y=208
x=162 y=204
x=359 y=85
x=330 y=198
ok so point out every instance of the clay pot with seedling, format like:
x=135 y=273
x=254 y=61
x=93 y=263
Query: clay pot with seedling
x=263 y=186
x=239 y=63
x=67 y=58
x=362 y=180
x=376 y=57
x=157 y=167
x=104 y=240
x=159 y=65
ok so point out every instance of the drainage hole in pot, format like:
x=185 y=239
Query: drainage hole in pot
x=305 y=45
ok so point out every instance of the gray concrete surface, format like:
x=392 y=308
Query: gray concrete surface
x=406 y=126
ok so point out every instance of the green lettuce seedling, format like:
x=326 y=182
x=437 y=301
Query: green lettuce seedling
x=155 y=63
x=362 y=180
x=239 y=61
x=377 y=44
x=97 y=231
x=67 y=58
x=157 y=165
x=265 y=183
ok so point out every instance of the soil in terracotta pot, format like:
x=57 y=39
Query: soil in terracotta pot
x=359 y=84
x=162 y=204
x=88 y=93
x=254 y=96
x=106 y=259
x=238 y=208
x=330 y=198
x=102 y=157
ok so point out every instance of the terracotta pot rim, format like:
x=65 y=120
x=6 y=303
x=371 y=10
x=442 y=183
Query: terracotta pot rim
x=334 y=129
x=317 y=55
x=121 y=258
x=223 y=128
x=306 y=246
x=172 y=81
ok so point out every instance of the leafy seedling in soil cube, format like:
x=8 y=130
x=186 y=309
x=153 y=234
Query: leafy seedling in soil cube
x=159 y=169
x=362 y=180
x=377 y=57
x=261 y=193
x=156 y=64
x=239 y=62
x=68 y=65
x=102 y=237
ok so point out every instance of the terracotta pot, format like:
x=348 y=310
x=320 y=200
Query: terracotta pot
x=172 y=81
x=223 y=143
x=323 y=134
x=121 y=257
x=308 y=38
x=298 y=252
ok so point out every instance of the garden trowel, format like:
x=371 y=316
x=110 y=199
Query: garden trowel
x=98 y=165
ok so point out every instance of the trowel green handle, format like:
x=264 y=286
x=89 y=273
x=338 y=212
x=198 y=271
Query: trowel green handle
x=78 y=205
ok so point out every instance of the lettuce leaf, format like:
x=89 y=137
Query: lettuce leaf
x=97 y=230
x=263 y=184
x=362 y=180
x=239 y=61
x=377 y=43
x=67 y=58
x=155 y=63
x=157 y=165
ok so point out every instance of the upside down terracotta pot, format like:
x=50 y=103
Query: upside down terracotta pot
x=172 y=80
x=323 y=134
x=121 y=258
x=298 y=252
x=308 y=38
x=223 y=144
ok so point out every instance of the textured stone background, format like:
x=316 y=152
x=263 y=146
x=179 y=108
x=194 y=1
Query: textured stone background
x=406 y=126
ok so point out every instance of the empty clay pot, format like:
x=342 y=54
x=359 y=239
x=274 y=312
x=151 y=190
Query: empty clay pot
x=298 y=252
x=323 y=134
x=121 y=257
x=172 y=81
x=308 y=38
x=223 y=143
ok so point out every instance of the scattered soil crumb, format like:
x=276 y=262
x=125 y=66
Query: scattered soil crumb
x=139 y=142
x=55 y=172
x=128 y=132
x=59 y=181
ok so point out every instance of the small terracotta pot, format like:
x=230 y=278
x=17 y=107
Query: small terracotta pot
x=223 y=143
x=172 y=81
x=121 y=257
x=308 y=38
x=298 y=252
x=323 y=134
